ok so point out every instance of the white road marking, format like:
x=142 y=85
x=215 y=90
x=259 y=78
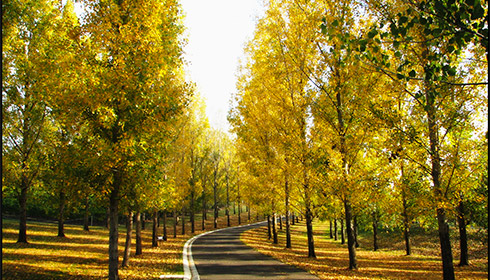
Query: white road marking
x=190 y=270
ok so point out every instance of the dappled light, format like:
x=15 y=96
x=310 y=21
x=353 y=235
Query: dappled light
x=387 y=263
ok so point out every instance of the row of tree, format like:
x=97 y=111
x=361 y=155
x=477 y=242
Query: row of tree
x=375 y=109
x=352 y=110
x=96 y=114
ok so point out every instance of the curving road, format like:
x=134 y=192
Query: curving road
x=221 y=255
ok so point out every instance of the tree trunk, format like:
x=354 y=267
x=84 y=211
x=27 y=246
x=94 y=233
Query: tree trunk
x=288 y=227
x=192 y=213
x=309 y=232
x=293 y=218
x=183 y=220
x=203 y=210
x=280 y=221
x=227 y=202
x=342 y=231
x=274 y=230
x=165 y=225
x=127 y=244
x=86 y=215
x=406 y=227
x=113 y=226
x=240 y=211
x=335 y=235
x=406 y=219
x=248 y=211
x=331 y=229
x=375 y=231
x=350 y=235
x=61 y=214
x=447 y=256
x=137 y=221
x=215 y=190
x=269 y=234
x=23 y=210
x=443 y=227
x=463 y=237
x=154 y=237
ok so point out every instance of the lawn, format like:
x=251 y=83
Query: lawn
x=390 y=262
x=84 y=255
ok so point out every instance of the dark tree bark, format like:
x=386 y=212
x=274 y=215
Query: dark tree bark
x=350 y=235
x=61 y=214
x=127 y=244
x=227 y=202
x=269 y=233
x=280 y=221
x=154 y=237
x=248 y=212
x=447 y=256
x=23 y=211
x=443 y=227
x=342 y=231
x=335 y=229
x=406 y=218
x=331 y=229
x=274 y=230
x=137 y=221
x=113 y=227
x=165 y=225
x=183 y=219
x=375 y=231
x=288 y=227
x=86 y=215
x=215 y=192
x=406 y=226
x=204 y=213
x=239 y=209
x=309 y=232
x=192 y=211
x=463 y=236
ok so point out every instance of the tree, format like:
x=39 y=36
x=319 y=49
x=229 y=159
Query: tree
x=134 y=86
x=28 y=28
x=426 y=61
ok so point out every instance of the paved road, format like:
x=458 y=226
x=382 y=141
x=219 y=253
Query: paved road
x=221 y=255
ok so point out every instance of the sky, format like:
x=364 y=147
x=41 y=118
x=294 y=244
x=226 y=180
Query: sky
x=216 y=32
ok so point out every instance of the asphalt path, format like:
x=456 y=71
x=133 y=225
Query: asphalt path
x=222 y=255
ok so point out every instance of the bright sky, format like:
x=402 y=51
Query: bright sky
x=217 y=31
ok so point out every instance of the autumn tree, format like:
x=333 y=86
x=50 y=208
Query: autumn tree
x=427 y=63
x=28 y=58
x=133 y=87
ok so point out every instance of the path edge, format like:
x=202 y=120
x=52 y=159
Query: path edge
x=190 y=270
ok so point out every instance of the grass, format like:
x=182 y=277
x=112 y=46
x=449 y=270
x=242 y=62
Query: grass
x=84 y=255
x=390 y=262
